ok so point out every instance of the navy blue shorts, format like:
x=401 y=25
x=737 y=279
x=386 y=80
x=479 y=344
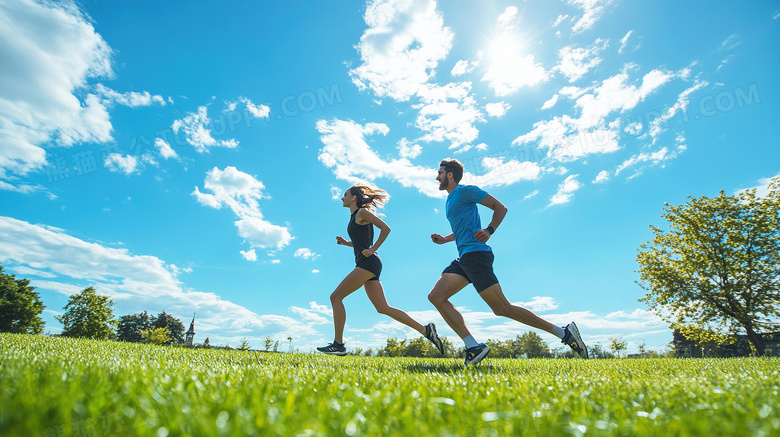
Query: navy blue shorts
x=477 y=267
x=373 y=264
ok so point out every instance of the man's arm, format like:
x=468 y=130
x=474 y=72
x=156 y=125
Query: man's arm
x=499 y=212
x=438 y=239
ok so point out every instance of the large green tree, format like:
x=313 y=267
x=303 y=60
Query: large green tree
x=716 y=271
x=131 y=325
x=20 y=306
x=172 y=324
x=88 y=315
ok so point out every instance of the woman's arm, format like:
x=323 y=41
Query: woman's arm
x=365 y=216
x=340 y=240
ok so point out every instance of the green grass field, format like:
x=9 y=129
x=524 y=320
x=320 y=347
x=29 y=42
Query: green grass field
x=63 y=387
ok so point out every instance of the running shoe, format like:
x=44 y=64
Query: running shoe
x=430 y=334
x=333 y=349
x=572 y=338
x=475 y=354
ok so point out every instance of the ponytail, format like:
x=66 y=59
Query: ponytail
x=369 y=197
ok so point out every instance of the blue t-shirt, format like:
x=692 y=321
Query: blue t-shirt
x=463 y=215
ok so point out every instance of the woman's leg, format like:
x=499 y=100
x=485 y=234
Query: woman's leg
x=350 y=283
x=376 y=293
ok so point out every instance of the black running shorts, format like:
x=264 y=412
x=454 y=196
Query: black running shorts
x=477 y=267
x=373 y=264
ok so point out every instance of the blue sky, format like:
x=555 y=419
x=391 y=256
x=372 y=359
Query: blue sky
x=190 y=157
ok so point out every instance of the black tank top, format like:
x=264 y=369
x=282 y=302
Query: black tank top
x=362 y=236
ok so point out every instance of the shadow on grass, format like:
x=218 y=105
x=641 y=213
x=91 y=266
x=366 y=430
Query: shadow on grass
x=450 y=368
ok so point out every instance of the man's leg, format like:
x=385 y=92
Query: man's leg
x=446 y=287
x=495 y=298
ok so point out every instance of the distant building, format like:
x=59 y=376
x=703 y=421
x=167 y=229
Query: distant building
x=685 y=347
x=190 y=334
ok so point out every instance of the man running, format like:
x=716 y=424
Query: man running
x=475 y=265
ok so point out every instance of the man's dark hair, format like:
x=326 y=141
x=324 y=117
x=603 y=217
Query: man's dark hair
x=453 y=166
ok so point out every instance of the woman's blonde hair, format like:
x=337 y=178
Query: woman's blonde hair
x=369 y=197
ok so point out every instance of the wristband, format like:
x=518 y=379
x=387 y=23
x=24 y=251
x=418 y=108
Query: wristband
x=490 y=229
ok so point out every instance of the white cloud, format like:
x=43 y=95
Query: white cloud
x=127 y=164
x=654 y=158
x=539 y=303
x=196 y=131
x=624 y=41
x=615 y=94
x=134 y=282
x=335 y=192
x=507 y=18
x=500 y=173
x=50 y=54
x=570 y=138
x=241 y=193
x=659 y=125
x=448 y=114
x=531 y=194
x=592 y=11
x=731 y=42
x=401 y=48
x=407 y=150
x=566 y=191
x=602 y=177
x=131 y=99
x=165 y=149
x=576 y=62
x=249 y=255
x=762 y=189
x=550 y=103
x=306 y=253
x=465 y=66
x=257 y=111
x=261 y=111
x=498 y=109
x=346 y=152
x=559 y=20
x=315 y=314
x=315 y=271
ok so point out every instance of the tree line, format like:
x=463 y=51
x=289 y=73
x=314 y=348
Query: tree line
x=87 y=314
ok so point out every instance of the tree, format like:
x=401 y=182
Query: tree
x=418 y=348
x=596 y=351
x=394 y=348
x=20 y=306
x=641 y=347
x=500 y=349
x=715 y=272
x=88 y=315
x=159 y=336
x=244 y=345
x=172 y=324
x=617 y=345
x=131 y=325
x=532 y=345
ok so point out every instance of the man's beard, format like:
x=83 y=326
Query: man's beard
x=444 y=184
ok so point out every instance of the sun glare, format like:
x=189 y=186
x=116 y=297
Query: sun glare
x=504 y=46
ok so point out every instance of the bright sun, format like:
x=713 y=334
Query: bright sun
x=503 y=47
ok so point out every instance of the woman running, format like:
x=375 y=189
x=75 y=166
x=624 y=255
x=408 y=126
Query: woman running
x=360 y=199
